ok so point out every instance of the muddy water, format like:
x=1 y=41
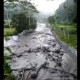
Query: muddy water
x=30 y=51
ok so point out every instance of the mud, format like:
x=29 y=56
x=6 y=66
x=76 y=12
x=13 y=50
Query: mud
x=40 y=47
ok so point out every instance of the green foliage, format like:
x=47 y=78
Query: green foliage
x=67 y=12
x=21 y=22
x=72 y=40
x=8 y=32
x=7 y=57
x=11 y=77
x=6 y=26
x=7 y=69
x=71 y=28
x=8 y=48
x=7 y=38
x=6 y=23
x=51 y=19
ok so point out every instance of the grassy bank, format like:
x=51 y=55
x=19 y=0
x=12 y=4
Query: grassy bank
x=7 y=70
x=9 y=32
x=71 y=29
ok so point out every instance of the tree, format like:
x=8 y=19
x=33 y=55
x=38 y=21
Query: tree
x=20 y=10
x=21 y=22
x=51 y=19
x=69 y=10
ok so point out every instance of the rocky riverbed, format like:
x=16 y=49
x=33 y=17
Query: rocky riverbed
x=37 y=55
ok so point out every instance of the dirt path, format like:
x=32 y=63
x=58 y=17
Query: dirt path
x=39 y=56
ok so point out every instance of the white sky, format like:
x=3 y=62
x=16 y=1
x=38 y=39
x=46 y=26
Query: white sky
x=47 y=6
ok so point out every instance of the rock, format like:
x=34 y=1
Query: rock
x=44 y=49
x=29 y=51
x=19 y=55
x=61 y=53
x=34 y=76
x=26 y=45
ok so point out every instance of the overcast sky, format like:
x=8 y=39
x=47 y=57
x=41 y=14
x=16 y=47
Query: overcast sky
x=47 y=6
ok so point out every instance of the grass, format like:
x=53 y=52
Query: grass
x=8 y=32
x=72 y=41
x=7 y=38
x=8 y=48
x=7 y=70
x=6 y=67
x=72 y=29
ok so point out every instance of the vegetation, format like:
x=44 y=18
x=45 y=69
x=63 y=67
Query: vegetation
x=7 y=38
x=72 y=41
x=7 y=70
x=9 y=32
x=16 y=19
x=6 y=23
x=21 y=22
x=8 y=48
x=20 y=15
x=6 y=67
x=51 y=19
x=64 y=21
x=66 y=13
x=11 y=8
x=71 y=28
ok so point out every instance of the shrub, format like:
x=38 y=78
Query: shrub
x=21 y=22
x=6 y=23
x=7 y=31
x=6 y=26
x=7 y=70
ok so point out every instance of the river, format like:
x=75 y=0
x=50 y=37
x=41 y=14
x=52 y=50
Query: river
x=40 y=47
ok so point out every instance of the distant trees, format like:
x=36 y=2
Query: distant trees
x=51 y=19
x=66 y=13
x=16 y=6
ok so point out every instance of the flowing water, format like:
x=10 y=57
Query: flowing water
x=30 y=51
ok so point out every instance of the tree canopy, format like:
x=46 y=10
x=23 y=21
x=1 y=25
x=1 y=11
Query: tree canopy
x=16 y=6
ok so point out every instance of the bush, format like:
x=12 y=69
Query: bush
x=7 y=31
x=21 y=22
x=6 y=26
x=6 y=23
x=7 y=70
